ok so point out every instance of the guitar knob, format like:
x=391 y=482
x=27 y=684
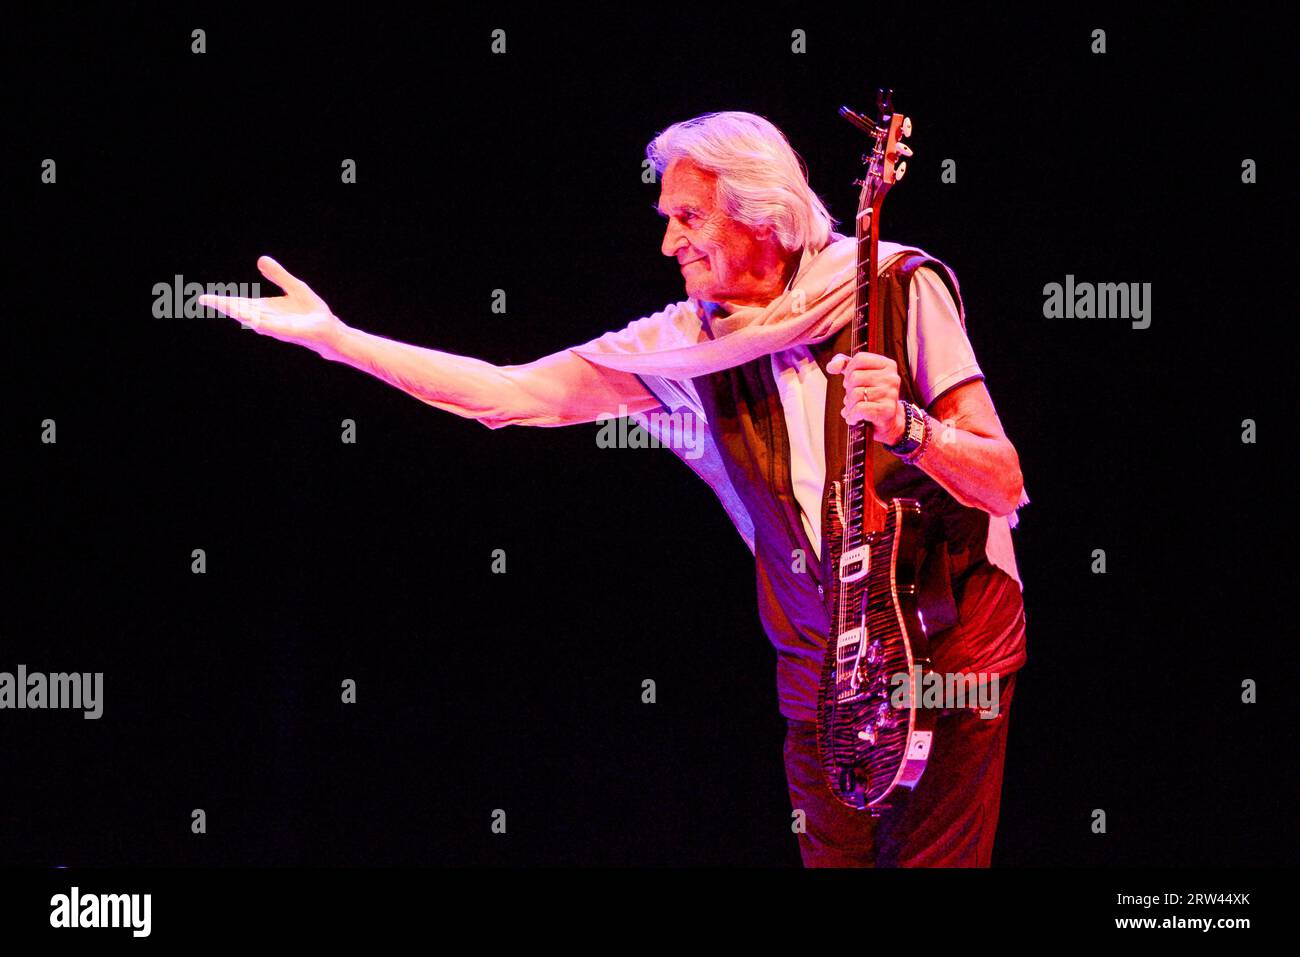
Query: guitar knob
x=906 y=128
x=900 y=171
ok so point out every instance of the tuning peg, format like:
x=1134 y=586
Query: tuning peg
x=906 y=128
x=902 y=149
x=900 y=171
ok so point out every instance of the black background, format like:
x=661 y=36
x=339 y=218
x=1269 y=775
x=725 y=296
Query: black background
x=371 y=561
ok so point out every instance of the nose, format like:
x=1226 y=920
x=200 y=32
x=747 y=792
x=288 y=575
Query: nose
x=674 y=238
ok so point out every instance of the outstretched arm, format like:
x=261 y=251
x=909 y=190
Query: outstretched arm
x=559 y=389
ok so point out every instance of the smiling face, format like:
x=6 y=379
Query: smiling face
x=721 y=259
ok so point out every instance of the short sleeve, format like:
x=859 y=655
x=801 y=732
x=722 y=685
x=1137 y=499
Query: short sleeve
x=675 y=394
x=676 y=325
x=938 y=350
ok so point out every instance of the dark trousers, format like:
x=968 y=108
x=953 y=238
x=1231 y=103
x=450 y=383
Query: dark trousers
x=948 y=820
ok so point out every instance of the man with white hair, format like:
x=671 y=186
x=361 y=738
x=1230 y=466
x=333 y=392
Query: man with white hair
x=756 y=354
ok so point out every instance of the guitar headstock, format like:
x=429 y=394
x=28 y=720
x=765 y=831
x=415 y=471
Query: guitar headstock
x=886 y=161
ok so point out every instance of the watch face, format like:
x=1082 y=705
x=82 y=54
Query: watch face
x=913 y=430
x=914 y=433
x=918 y=426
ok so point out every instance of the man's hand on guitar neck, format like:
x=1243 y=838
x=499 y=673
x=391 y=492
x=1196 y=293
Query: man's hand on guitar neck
x=968 y=452
x=871 y=394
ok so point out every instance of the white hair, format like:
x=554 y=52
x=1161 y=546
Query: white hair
x=762 y=181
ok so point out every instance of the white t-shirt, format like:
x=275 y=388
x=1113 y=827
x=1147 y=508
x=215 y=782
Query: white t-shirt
x=938 y=351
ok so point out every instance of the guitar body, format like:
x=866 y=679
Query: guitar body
x=871 y=735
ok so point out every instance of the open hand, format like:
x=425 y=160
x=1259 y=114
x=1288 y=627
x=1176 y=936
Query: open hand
x=299 y=316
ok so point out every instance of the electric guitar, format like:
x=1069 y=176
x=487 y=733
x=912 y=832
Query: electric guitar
x=871 y=735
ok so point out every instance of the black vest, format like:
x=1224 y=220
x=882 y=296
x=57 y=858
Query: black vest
x=747 y=423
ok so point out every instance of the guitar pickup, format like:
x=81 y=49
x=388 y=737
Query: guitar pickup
x=849 y=641
x=854 y=563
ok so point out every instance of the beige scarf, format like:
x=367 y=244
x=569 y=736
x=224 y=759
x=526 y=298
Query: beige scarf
x=696 y=338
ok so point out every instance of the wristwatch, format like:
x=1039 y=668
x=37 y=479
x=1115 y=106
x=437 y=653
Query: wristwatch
x=913 y=431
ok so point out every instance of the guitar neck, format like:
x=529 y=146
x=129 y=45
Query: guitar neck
x=864 y=512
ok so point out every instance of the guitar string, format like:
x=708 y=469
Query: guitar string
x=846 y=590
